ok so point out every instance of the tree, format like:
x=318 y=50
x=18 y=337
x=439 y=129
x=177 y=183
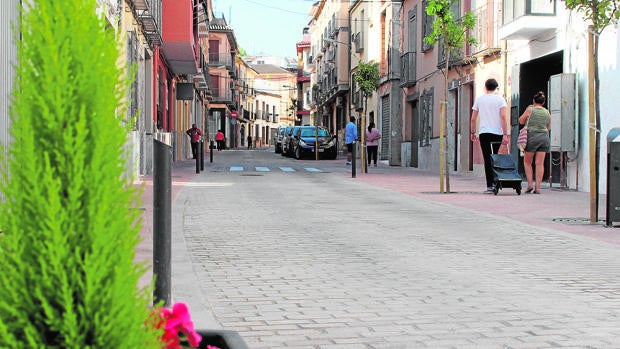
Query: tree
x=70 y=220
x=367 y=78
x=452 y=33
x=600 y=13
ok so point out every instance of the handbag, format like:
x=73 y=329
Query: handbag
x=522 y=139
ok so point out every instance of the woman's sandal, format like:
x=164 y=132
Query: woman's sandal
x=536 y=192
x=529 y=190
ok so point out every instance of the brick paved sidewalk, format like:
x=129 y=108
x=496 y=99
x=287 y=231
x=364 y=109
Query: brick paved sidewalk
x=564 y=210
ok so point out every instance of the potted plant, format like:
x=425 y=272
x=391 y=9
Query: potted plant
x=68 y=219
x=178 y=331
x=69 y=223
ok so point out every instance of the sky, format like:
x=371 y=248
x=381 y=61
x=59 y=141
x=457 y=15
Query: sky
x=266 y=27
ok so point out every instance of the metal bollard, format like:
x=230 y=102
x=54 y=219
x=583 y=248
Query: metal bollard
x=162 y=221
x=198 y=162
x=353 y=146
x=202 y=155
x=211 y=147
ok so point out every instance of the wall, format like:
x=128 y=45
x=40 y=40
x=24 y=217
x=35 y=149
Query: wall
x=10 y=13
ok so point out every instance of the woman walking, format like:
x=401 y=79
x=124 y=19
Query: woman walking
x=538 y=122
x=372 y=142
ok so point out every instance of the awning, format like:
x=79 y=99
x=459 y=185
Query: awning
x=218 y=106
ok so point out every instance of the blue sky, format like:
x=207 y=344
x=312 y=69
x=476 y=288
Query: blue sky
x=266 y=27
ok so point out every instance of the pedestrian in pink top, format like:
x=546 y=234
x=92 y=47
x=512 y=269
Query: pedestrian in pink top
x=372 y=142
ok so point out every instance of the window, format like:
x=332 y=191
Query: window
x=426 y=118
x=457 y=54
x=132 y=59
x=427 y=26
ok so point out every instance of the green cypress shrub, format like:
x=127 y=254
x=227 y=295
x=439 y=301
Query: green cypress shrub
x=70 y=223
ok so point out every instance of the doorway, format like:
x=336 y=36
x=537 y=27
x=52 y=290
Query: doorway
x=534 y=76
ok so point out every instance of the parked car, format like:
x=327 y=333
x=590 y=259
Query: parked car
x=304 y=139
x=279 y=136
x=286 y=141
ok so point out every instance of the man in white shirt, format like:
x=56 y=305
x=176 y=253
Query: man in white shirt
x=491 y=109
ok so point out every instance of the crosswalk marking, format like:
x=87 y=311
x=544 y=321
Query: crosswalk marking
x=267 y=169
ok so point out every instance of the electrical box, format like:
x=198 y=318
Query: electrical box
x=561 y=102
x=613 y=176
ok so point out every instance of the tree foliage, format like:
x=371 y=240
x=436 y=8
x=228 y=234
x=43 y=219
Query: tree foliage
x=451 y=31
x=70 y=222
x=367 y=77
x=600 y=12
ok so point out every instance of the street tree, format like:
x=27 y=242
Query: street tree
x=600 y=14
x=367 y=78
x=452 y=33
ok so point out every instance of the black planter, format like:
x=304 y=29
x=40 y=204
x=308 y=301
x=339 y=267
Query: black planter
x=223 y=339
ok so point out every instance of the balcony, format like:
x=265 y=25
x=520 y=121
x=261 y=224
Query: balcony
x=528 y=19
x=203 y=20
x=408 y=69
x=221 y=95
x=301 y=77
x=200 y=79
x=140 y=5
x=224 y=60
x=148 y=14
x=178 y=35
x=485 y=30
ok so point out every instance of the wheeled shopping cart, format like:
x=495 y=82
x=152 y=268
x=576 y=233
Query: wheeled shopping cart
x=505 y=173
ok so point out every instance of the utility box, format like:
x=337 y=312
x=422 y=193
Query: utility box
x=613 y=176
x=562 y=96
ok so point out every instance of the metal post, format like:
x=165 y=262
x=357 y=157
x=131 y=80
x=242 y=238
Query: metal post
x=162 y=221
x=202 y=155
x=353 y=155
x=211 y=151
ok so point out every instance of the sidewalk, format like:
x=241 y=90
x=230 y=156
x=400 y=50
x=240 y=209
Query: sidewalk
x=563 y=210
x=182 y=173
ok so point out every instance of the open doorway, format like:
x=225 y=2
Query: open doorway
x=534 y=76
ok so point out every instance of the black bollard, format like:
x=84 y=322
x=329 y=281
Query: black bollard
x=353 y=145
x=162 y=221
x=198 y=159
x=202 y=155
x=211 y=147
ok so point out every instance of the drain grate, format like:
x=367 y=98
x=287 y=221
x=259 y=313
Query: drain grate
x=577 y=220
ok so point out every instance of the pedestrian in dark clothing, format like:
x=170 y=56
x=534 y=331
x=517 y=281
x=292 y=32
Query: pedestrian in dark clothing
x=194 y=134
x=490 y=108
x=219 y=138
x=249 y=141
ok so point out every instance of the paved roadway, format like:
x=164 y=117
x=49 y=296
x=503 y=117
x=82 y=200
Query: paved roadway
x=297 y=258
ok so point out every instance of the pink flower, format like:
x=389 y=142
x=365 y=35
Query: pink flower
x=178 y=320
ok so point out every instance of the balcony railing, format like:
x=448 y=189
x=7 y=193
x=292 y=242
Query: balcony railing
x=221 y=95
x=514 y=9
x=408 y=69
x=221 y=59
x=485 y=31
x=148 y=13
